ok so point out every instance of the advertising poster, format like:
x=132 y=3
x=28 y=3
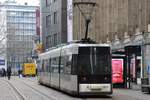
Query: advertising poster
x=117 y=70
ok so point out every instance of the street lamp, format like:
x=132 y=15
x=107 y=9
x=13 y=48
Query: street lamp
x=86 y=10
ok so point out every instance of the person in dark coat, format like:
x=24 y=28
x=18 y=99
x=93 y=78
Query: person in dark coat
x=4 y=72
x=19 y=73
x=9 y=72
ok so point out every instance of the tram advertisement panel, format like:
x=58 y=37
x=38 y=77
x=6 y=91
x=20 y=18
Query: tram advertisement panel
x=117 y=69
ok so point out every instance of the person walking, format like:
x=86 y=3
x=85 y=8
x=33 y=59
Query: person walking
x=9 y=72
x=4 y=72
x=20 y=73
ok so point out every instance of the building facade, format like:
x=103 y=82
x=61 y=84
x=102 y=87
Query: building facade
x=114 y=17
x=111 y=19
x=20 y=25
x=53 y=21
x=123 y=24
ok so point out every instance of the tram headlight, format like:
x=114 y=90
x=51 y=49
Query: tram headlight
x=84 y=78
x=105 y=78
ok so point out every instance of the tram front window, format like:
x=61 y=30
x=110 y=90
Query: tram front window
x=94 y=61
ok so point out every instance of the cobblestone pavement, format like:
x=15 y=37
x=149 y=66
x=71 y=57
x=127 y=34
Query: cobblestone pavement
x=31 y=90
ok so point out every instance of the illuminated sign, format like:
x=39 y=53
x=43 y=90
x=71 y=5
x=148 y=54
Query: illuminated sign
x=117 y=69
x=2 y=62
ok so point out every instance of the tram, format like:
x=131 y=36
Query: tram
x=78 y=69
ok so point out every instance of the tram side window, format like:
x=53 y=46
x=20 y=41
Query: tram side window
x=66 y=62
x=55 y=65
x=62 y=65
x=43 y=65
x=42 y=69
x=46 y=65
x=49 y=70
x=74 y=64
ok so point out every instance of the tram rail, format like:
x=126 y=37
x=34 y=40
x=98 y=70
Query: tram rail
x=51 y=98
x=37 y=91
x=16 y=92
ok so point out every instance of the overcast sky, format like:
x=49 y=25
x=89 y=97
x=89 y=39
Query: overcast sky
x=30 y=2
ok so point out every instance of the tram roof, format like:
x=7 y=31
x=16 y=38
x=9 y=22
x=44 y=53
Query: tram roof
x=67 y=49
x=101 y=45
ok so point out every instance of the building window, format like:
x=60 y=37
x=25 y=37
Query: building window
x=55 y=17
x=48 y=20
x=48 y=2
x=48 y=41
x=52 y=41
x=55 y=39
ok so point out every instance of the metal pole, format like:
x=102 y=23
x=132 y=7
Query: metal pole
x=87 y=28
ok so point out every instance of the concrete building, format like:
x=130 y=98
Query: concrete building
x=54 y=18
x=111 y=19
x=19 y=22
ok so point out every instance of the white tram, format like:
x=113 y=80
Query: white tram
x=78 y=69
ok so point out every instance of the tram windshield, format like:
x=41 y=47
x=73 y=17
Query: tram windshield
x=94 y=60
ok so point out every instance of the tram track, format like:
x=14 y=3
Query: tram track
x=21 y=95
x=38 y=91
x=74 y=98
x=17 y=93
x=29 y=85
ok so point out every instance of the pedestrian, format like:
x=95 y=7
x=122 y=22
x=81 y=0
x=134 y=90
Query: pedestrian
x=4 y=72
x=36 y=71
x=9 y=72
x=1 y=72
x=20 y=73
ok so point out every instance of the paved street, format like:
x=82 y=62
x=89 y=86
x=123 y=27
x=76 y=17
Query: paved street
x=29 y=89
